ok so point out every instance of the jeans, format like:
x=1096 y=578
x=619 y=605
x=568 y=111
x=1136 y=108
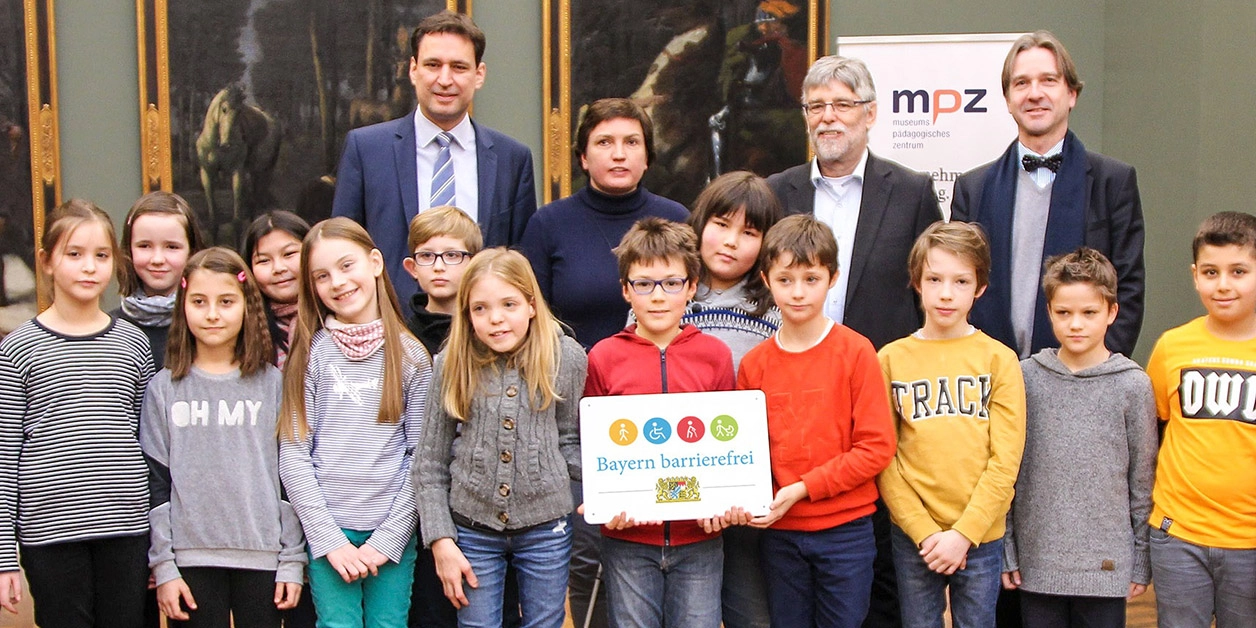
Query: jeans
x=1071 y=611
x=99 y=582
x=1194 y=583
x=539 y=555
x=381 y=601
x=655 y=586
x=822 y=578
x=745 y=594
x=230 y=597
x=922 y=591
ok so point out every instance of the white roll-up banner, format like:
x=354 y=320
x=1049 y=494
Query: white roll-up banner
x=940 y=105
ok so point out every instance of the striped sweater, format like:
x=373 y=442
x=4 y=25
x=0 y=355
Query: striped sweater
x=351 y=472
x=71 y=468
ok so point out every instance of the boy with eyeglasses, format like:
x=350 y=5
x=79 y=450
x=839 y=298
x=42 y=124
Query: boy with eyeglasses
x=660 y=574
x=441 y=240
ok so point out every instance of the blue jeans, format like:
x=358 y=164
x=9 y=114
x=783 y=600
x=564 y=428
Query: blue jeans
x=381 y=601
x=745 y=595
x=539 y=555
x=821 y=578
x=922 y=591
x=1195 y=583
x=652 y=586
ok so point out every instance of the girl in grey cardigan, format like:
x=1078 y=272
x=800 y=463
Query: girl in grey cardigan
x=500 y=445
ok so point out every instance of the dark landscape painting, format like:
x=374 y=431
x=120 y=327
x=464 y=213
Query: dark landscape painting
x=721 y=80
x=262 y=93
x=17 y=210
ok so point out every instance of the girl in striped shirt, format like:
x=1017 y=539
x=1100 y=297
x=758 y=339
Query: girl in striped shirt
x=355 y=386
x=73 y=483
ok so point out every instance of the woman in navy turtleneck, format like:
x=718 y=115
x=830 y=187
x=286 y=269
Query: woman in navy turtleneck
x=569 y=241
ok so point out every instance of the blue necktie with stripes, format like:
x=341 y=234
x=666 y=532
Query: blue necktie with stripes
x=443 y=173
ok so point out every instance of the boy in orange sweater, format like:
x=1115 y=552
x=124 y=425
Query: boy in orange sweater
x=829 y=432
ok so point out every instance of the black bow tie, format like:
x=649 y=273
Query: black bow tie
x=1051 y=163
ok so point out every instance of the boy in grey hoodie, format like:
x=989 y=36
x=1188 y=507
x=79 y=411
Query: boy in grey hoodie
x=1076 y=542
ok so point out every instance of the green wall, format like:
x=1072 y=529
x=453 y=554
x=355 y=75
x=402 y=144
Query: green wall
x=1167 y=90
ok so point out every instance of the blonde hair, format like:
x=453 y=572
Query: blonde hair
x=536 y=357
x=445 y=220
x=253 y=346
x=311 y=312
x=63 y=221
x=965 y=240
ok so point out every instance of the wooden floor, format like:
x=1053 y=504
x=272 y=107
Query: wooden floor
x=1142 y=613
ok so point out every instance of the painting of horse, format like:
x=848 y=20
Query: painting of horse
x=255 y=111
x=238 y=143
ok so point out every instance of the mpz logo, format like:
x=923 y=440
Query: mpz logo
x=941 y=101
x=677 y=489
x=1218 y=394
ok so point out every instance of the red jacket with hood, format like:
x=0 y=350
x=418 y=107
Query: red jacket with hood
x=627 y=364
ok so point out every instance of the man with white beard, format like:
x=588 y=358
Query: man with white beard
x=876 y=208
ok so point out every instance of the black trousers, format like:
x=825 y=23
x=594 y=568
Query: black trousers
x=222 y=594
x=586 y=557
x=1071 y=611
x=98 y=583
x=883 y=610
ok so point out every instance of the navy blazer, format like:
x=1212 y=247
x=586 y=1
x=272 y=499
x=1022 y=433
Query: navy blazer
x=1114 y=227
x=898 y=204
x=377 y=185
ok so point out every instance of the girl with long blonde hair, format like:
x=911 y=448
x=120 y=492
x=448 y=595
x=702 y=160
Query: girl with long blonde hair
x=510 y=382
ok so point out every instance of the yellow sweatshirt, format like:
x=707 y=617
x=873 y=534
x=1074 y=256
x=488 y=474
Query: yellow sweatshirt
x=959 y=411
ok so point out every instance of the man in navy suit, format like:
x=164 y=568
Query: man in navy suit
x=1044 y=196
x=1048 y=195
x=387 y=170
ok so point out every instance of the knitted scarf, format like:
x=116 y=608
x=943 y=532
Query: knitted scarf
x=154 y=311
x=356 y=342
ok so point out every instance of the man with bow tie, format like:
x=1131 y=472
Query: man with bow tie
x=1048 y=195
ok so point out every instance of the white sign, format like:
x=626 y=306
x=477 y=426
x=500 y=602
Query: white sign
x=940 y=105
x=675 y=456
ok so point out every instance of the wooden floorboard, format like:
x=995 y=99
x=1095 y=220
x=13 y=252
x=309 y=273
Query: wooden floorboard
x=1141 y=614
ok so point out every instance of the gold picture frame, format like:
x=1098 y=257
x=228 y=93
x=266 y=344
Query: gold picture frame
x=30 y=164
x=626 y=56
x=320 y=60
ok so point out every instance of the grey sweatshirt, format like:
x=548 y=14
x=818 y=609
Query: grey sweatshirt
x=214 y=475
x=1078 y=524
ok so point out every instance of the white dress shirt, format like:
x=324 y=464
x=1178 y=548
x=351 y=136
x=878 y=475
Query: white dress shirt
x=837 y=205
